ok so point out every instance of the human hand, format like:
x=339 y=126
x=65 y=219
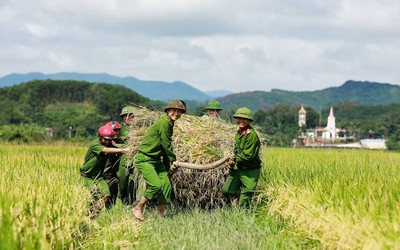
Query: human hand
x=231 y=161
x=173 y=169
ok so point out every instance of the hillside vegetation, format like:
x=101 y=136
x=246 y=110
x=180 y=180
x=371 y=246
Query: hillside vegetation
x=367 y=93
x=155 y=90
x=75 y=107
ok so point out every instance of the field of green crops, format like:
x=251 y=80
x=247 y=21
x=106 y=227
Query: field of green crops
x=308 y=198
x=346 y=199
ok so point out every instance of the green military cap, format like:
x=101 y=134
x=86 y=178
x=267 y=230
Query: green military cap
x=176 y=104
x=214 y=105
x=243 y=113
x=127 y=110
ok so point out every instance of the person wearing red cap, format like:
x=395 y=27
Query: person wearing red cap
x=117 y=130
x=112 y=165
x=99 y=154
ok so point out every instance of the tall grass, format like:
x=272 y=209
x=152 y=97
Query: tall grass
x=223 y=228
x=343 y=198
x=113 y=229
x=42 y=203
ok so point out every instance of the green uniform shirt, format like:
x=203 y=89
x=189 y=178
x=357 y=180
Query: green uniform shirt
x=111 y=166
x=95 y=160
x=247 y=147
x=125 y=130
x=121 y=143
x=157 y=140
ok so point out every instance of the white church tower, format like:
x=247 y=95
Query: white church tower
x=302 y=116
x=331 y=126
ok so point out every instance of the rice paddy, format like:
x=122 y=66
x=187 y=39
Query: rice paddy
x=307 y=198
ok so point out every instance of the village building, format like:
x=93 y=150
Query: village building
x=302 y=116
x=320 y=135
x=331 y=136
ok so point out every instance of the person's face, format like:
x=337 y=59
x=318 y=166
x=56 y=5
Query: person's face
x=105 y=142
x=128 y=119
x=213 y=112
x=174 y=114
x=117 y=132
x=242 y=123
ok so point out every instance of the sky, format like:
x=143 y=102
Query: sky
x=236 y=45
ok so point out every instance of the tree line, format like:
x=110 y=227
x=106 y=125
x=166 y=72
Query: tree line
x=76 y=109
x=64 y=107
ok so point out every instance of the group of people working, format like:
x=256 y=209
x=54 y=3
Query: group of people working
x=108 y=172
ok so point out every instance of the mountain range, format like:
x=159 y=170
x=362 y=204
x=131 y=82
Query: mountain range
x=155 y=90
x=361 y=92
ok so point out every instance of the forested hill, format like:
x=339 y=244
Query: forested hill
x=367 y=93
x=60 y=104
x=155 y=90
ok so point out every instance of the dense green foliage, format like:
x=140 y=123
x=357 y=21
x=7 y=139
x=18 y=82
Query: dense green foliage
x=370 y=121
x=69 y=108
x=22 y=133
x=280 y=123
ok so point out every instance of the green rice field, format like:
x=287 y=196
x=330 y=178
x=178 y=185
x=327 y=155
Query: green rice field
x=307 y=199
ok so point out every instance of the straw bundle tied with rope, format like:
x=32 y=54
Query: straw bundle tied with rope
x=202 y=147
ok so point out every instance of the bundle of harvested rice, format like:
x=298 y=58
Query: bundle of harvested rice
x=199 y=141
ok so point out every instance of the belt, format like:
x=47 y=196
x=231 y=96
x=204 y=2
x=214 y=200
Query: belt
x=150 y=156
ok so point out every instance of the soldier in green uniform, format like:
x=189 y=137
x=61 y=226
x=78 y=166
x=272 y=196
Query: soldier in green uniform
x=155 y=154
x=125 y=173
x=247 y=167
x=103 y=187
x=113 y=162
x=213 y=109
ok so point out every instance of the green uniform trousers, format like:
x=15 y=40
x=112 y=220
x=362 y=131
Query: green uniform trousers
x=156 y=176
x=241 y=178
x=127 y=192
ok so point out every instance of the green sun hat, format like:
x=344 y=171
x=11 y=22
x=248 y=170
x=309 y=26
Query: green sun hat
x=176 y=104
x=214 y=105
x=243 y=113
x=127 y=110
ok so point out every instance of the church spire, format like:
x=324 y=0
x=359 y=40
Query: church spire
x=331 y=126
x=302 y=116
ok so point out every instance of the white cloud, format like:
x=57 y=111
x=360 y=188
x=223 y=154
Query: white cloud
x=210 y=44
x=35 y=30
